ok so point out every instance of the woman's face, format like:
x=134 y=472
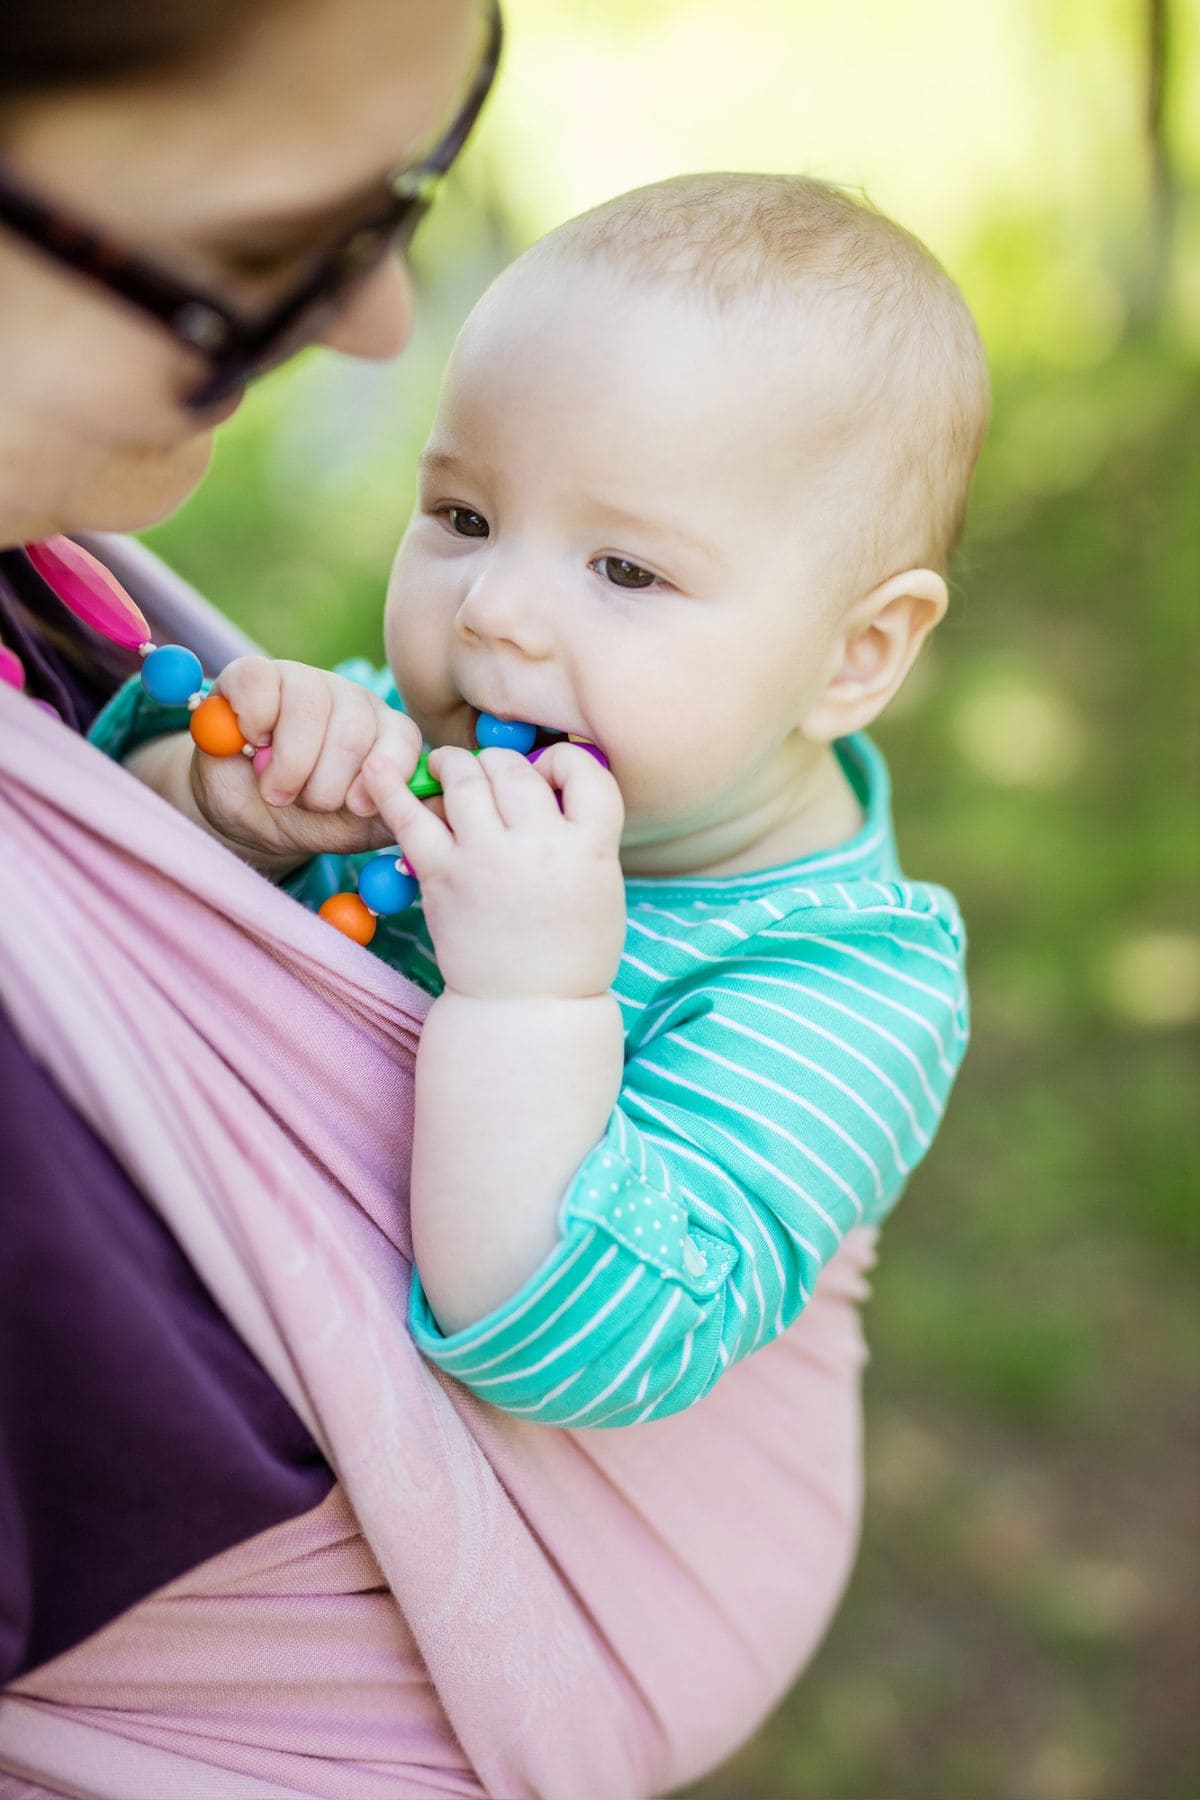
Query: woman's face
x=229 y=177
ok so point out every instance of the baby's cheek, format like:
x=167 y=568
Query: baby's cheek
x=410 y=607
x=399 y=613
x=683 y=779
x=409 y=653
x=651 y=789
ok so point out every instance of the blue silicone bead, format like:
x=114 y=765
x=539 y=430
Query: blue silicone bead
x=171 y=675
x=492 y=733
x=385 y=888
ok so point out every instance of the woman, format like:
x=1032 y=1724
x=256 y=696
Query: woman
x=191 y=1600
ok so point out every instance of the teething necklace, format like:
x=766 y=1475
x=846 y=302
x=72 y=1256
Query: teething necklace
x=174 y=676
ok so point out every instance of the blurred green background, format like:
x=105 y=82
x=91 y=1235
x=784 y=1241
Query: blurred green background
x=1023 y=1622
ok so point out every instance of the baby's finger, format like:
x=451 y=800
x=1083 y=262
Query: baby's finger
x=590 y=796
x=304 y=712
x=467 y=797
x=349 y=737
x=521 y=797
x=397 y=737
x=424 y=839
x=253 y=687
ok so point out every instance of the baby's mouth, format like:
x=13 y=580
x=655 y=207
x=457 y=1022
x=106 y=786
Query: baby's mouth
x=545 y=736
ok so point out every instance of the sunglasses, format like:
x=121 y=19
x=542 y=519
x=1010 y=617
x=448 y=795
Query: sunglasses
x=237 y=348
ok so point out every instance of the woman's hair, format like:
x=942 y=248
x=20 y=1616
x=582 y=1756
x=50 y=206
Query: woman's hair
x=49 y=44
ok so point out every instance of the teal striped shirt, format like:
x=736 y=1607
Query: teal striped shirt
x=791 y=1037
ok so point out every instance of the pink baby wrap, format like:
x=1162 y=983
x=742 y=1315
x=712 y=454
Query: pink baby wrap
x=481 y=1605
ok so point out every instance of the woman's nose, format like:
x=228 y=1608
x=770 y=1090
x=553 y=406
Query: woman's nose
x=504 y=607
x=376 y=321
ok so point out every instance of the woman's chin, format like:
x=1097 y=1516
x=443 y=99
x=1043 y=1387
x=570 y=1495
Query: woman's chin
x=134 y=489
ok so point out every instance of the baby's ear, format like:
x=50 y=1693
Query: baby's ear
x=876 y=646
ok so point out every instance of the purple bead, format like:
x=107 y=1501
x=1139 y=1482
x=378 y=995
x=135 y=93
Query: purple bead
x=592 y=750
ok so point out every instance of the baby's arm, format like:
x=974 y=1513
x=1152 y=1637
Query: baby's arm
x=520 y=1059
x=309 y=798
x=775 y=1097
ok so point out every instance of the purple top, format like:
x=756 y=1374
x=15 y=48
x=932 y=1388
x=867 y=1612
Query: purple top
x=138 y=1435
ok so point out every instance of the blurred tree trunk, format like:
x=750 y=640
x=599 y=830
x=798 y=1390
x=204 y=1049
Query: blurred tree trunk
x=1151 y=285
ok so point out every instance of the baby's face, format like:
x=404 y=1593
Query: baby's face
x=628 y=527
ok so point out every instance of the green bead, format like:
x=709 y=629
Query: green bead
x=421 y=782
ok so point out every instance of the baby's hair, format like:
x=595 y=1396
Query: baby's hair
x=922 y=378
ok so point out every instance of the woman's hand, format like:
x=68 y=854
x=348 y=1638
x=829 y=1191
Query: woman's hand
x=308 y=797
x=524 y=899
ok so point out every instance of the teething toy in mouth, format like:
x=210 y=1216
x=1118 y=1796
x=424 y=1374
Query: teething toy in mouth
x=494 y=733
x=386 y=884
x=531 y=741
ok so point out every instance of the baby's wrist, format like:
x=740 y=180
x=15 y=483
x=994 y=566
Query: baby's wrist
x=171 y=766
x=513 y=959
x=524 y=1031
x=550 y=1006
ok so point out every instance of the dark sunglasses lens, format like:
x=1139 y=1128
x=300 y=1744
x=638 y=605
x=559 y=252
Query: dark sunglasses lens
x=217 y=387
x=268 y=353
x=357 y=262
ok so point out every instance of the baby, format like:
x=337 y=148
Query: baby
x=699 y=465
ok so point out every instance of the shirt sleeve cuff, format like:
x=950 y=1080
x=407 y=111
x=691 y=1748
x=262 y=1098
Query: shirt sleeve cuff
x=623 y=1188
x=624 y=1239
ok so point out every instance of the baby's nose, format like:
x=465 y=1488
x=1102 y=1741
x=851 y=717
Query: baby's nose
x=507 y=608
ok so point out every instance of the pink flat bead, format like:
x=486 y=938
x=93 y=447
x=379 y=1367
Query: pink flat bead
x=12 y=669
x=261 y=759
x=86 y=588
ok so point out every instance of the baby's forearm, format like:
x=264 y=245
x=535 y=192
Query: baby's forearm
x=511 y=1095
x=165 y=765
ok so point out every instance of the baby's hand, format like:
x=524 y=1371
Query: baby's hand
x=309 y=798
x=523 y=901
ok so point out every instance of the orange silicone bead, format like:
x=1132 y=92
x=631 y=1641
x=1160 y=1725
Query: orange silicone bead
x=346 y=913
x=215 y=728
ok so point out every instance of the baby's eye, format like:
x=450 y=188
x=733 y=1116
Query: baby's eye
x=467 y=523
x=623 y=573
